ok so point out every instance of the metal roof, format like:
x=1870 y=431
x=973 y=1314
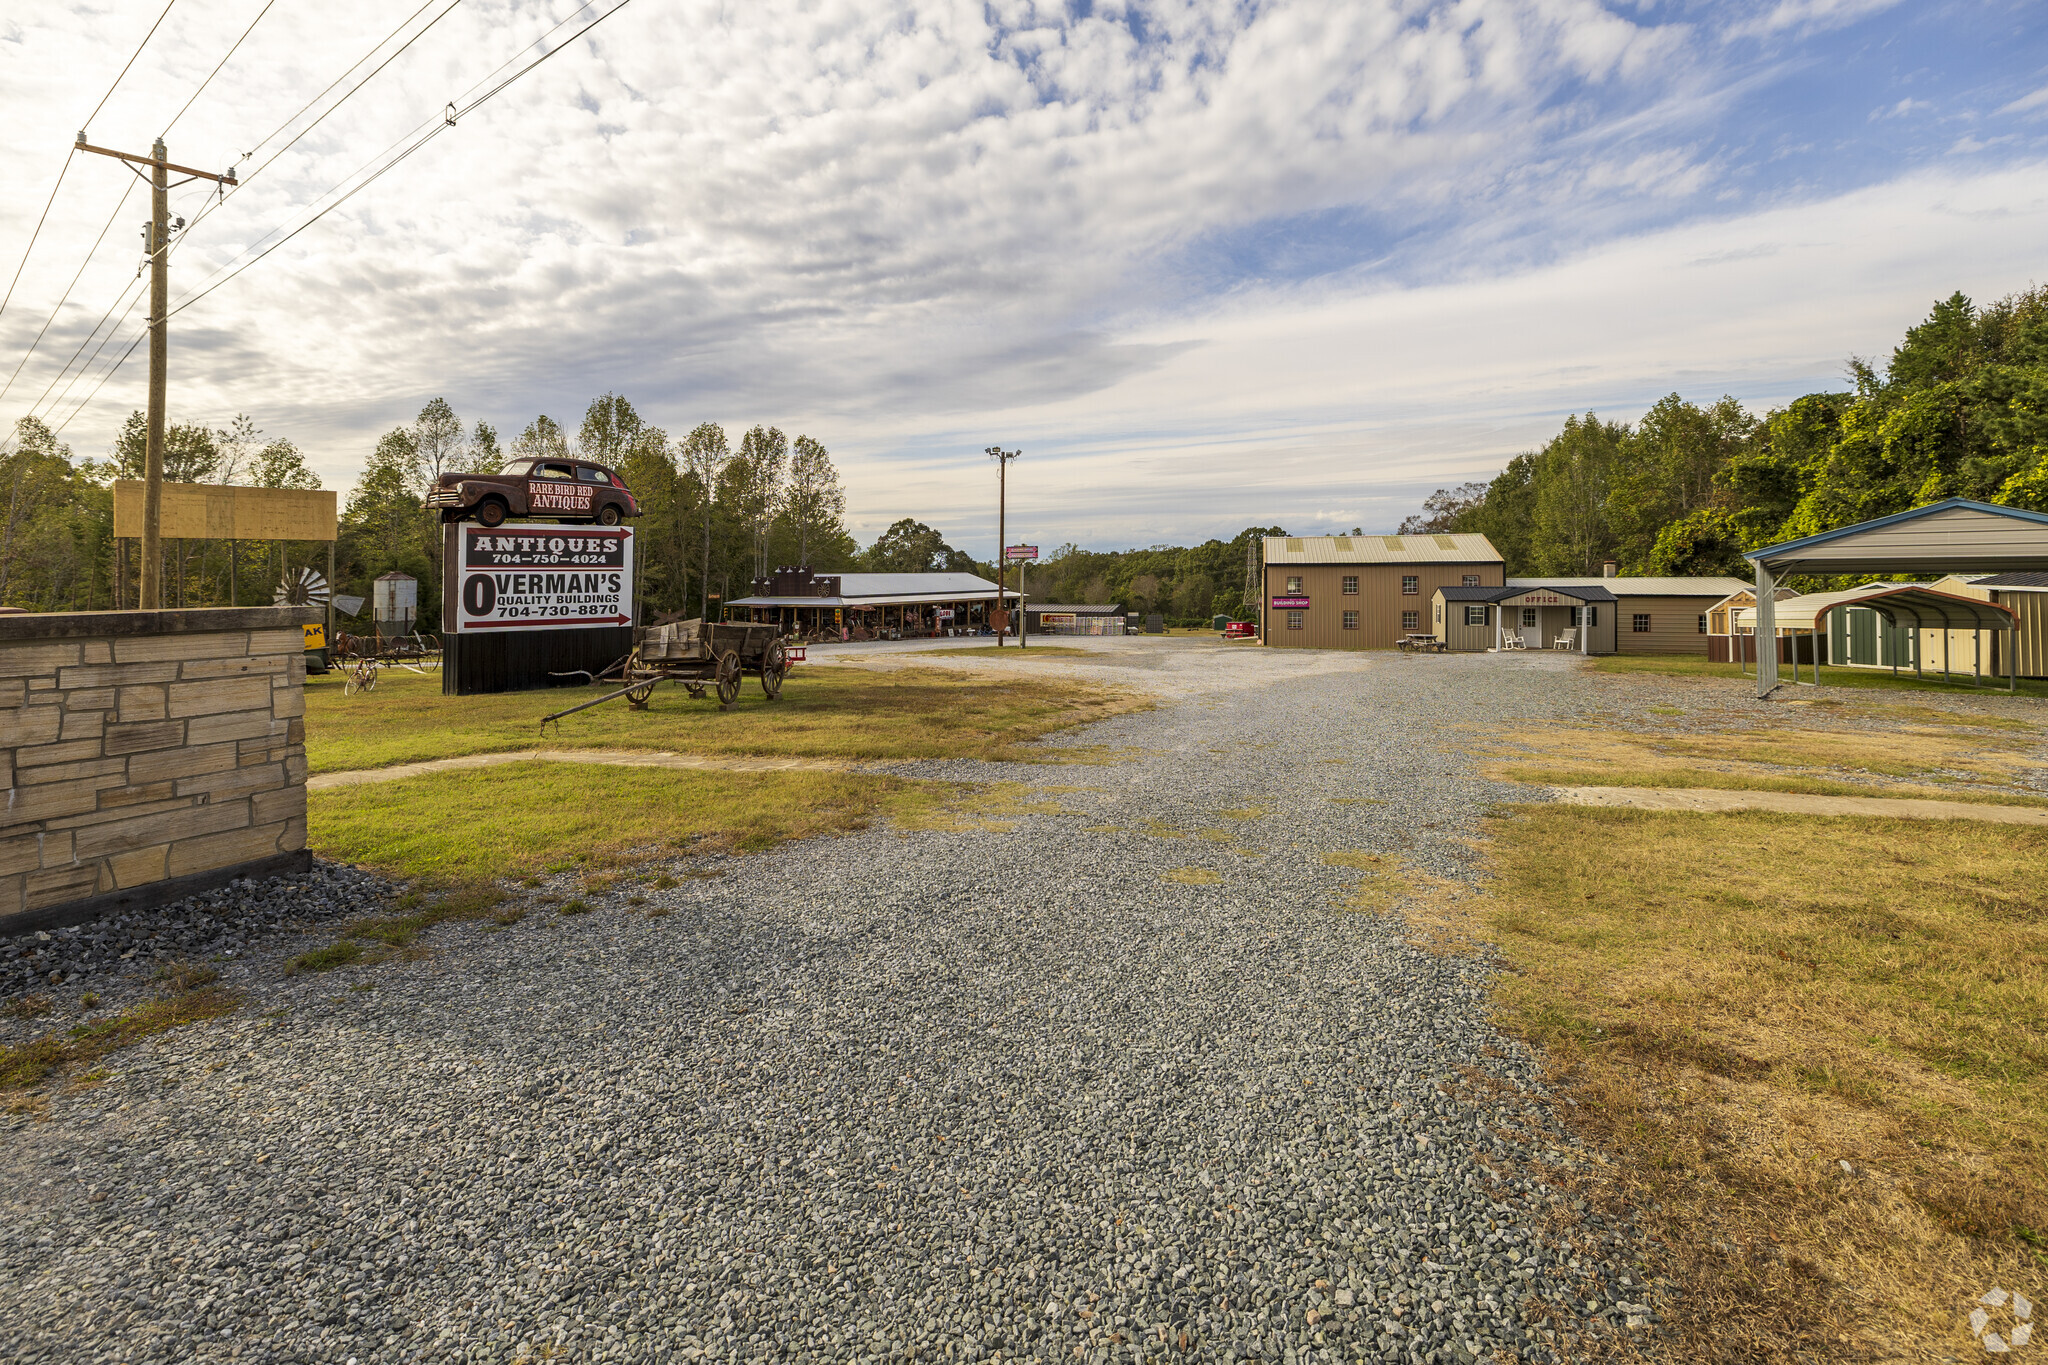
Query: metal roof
x=891 y=590
x=1585 y=590
x=2012 y=580
x=1908 y=604
x=938 y=587
x=914 y=600
x=1952 y=536
x=1644 y=587
x=1080 y=608
x=1429 y=549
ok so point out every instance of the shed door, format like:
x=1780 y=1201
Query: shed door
x=1863 y=636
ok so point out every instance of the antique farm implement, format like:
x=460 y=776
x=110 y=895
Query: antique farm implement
x=711 y=657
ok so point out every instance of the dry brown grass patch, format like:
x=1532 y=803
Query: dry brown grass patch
x=1192 y=876
x=993 y=808
x=1383 y=884
x=24 y=1066
x=1741 y=1003
x=1757 y=760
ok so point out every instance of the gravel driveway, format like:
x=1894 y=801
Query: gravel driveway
x=1093 y=1088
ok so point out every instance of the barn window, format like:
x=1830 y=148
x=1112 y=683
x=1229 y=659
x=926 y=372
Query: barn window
x=1351 y=620
x=1703 y=623
x=1411 y=584
x=1640 y=623
x=1475 y=616
x=1471 y=580
x=1294 y=583
x=1411 y=620
x=1351 y=585
x=1294 y=620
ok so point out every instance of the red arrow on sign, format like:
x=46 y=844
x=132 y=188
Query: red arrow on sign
x=542 y=625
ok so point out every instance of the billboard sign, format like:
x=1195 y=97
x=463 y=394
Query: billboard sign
x=543 y=577
x=1021 y=552
x=1290 y=604
x=1056 y=618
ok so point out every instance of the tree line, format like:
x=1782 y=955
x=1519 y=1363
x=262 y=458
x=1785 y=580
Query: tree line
x=57 y=541
x=1959 y=410
x=714 y=516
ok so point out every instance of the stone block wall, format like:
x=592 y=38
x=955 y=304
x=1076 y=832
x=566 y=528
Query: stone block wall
x=146 y=756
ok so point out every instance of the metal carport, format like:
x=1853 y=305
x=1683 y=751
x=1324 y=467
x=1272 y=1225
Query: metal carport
x=1900 y=605
x=1954 y=536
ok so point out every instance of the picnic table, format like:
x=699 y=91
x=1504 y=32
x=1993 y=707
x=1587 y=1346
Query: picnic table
x=1425 y=644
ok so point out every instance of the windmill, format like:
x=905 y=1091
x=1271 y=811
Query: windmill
x=301 y=588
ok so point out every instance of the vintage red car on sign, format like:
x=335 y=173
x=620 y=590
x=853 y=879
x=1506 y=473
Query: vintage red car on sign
x=566 y=490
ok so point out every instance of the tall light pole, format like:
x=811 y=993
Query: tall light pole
x=1002 y=458
x=159 y=244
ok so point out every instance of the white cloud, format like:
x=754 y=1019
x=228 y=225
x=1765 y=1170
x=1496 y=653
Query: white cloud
x=2036 y=103
x=1807 y=16
x=1288 y=403
x=913 y=232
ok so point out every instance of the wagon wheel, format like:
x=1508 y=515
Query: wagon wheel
x=774 y=668
x=727 y=679
x=637 y=697
x=696 y=690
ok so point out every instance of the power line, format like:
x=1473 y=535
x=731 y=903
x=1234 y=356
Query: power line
x=109 y=372
x=9 y=297
x=271 y=160
x=131 y=61
x=6 y=388
x=37 y=233
x=448 y=121
x=342 y=77
x=213 y=204
x=134 y=284
x=216 y=70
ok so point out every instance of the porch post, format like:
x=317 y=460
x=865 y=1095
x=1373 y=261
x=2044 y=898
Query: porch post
x=1586 y=610
x=1766 y=630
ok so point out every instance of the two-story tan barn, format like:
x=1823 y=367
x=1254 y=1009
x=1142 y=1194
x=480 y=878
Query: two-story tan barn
x=1366 y=592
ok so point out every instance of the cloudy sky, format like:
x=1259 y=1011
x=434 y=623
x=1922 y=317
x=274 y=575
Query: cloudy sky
x=1207 y=263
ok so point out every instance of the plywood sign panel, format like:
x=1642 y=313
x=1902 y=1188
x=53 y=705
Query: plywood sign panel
x=212 y=511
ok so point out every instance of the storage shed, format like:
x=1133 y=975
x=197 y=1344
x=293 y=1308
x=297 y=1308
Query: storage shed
x=1075 y=618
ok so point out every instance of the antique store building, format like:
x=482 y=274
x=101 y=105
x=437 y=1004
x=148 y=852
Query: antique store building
x=1366 y=592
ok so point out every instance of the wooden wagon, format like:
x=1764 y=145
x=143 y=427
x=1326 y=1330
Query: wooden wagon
x=704 y=657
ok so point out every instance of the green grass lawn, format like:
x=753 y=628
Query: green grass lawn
x=1689 y=667
x=826 y=711
x=466 y=828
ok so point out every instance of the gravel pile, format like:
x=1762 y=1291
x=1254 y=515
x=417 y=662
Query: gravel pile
x=1047 y=1092
x=221 y=923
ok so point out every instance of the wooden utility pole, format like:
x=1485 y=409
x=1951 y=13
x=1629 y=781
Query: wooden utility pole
x=1002 y=458
x=158 y=244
